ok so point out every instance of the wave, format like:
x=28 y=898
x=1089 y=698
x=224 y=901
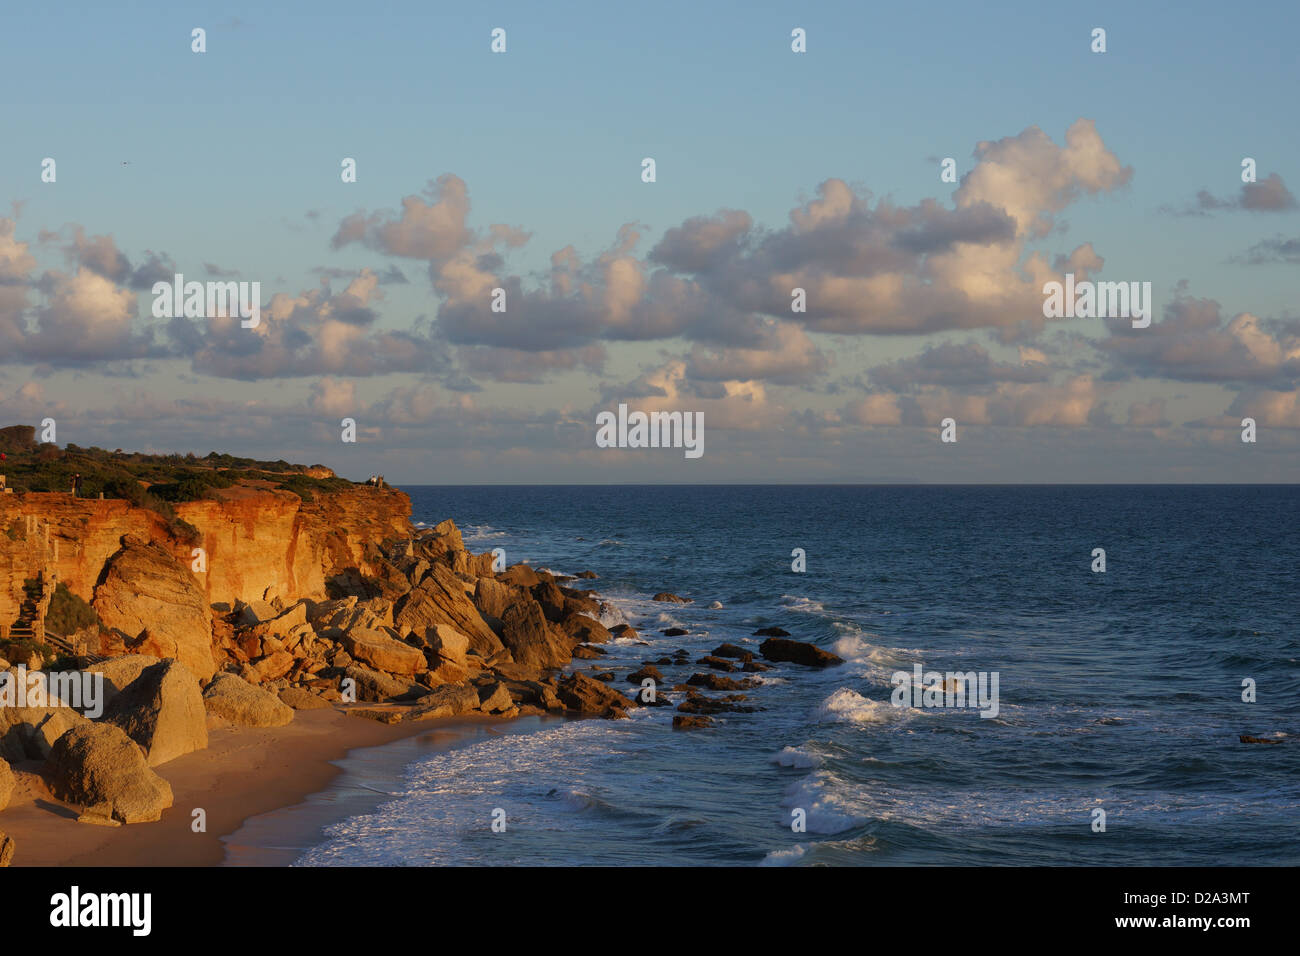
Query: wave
x=848 y=706
x=798 y=758
x=784 y=857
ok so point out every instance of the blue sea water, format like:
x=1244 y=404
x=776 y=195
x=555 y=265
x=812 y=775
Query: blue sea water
x=1119 y=691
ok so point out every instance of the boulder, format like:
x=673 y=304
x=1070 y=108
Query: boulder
x=374 y=686
x=624 y=632
x=300 y=699
x=771 y=632
x=448 y=643
x=582 y=695
x=520 y=575
x=450 y=700
x=667 y=598
x=718 y=682
x=162 y=711
x=586 y=653
x=717 y=663
x=585 y=630
x=495 y=698
x=384 y=653
x=492 y=597
x=97 y=766
x=590 y=575
x=690 y=721
x=530 y=639
x=154 y=600
x=797 y=652
x=650 y=671
x=734 y=651
x=234 y=699
x=7 y=783
x=551 y=598
x=28 y=733
x=118 y=672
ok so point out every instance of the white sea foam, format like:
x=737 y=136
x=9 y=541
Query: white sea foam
x=819 y=796
x=798 y=757
x=784 y=857
x=796 y=603
x=848 y=706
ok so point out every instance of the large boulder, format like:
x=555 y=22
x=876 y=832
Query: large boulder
x=28 y=733
x=441 y=599
x=375 y=686
x=234 y=699
x=155 y=601
x=384 y=653
x=7 y=783
x=492 y=597
x=450 y=700
x=528 y=636
x=581 y=694
x=98 y=767
x=162 y=711
x=797 y=652
x=118 y=672
x=582 y=629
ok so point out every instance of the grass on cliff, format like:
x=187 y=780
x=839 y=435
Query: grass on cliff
x=68 y=613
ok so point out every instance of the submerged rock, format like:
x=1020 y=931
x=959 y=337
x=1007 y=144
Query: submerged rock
x=797 y=652
x=668 y=598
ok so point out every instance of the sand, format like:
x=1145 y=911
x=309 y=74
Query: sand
x=244 y=772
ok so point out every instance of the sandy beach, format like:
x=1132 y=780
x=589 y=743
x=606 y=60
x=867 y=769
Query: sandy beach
x=243 y=773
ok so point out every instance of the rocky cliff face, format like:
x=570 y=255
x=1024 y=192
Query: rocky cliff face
x=253 y=539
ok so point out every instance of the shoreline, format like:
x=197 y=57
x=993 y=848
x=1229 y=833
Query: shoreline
x=245 y=773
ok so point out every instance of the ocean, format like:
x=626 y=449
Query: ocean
x=1120 y=691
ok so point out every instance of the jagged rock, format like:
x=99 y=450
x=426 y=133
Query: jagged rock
x=689 y=722
x=520 y=575
x=99 y=767
x=300 y=699
x=755 y=667
x=551 y=599
x=384 y=653
x=590 y=575
x=28 y=733
x=448 y=643
x=666 y=597
x=162 y=711
x=517 y=671
x=587 y=653
x=450 y=700
x=582 y=695
x=273 y=666
x=718 y=682
x=6 y=849
x=650 y=671
x=624 y=632
x=146 y=593
x=580 y=602
x=374 y=686
x=734 y=651
x=585 y=630
x=797 y=652
x=528 y=637
x=441 y=599
x=492 y=597
x=234 y=699
x=7 y=783
x=771 y=632
x=717 y=663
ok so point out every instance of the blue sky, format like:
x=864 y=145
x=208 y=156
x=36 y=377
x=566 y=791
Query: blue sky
x=234 y=161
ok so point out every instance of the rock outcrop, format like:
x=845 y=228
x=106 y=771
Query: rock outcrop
x=162 y=711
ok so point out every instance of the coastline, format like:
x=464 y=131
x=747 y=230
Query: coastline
x=244 y=773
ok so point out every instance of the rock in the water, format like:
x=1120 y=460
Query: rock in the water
x=585 y=630
x=99 y=767
x=771 y=632
x=582 y=695
x=7 y=783
x=718 y=682
x=624 y=632
x=236 y=700
x=668 y=598
x=449 y=700
x=716 y=663
x=589 y=575
x=690 y=721
x=149 y=596
x=28 y=733
x=1247 y=739
x=674 y=632
x=797 y=652
x=586 y=652
x=300 y=699
x=733 y=651
x=162 y=711
x=650 y=671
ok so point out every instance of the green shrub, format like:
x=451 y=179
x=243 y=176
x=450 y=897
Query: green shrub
x=68 y=613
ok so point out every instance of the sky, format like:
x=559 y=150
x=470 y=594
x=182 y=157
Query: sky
x=774 y=170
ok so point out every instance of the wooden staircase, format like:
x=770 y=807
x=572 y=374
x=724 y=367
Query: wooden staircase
x=30 y=624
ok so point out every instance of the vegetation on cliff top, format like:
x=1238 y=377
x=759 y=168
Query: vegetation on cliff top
x=155 y=482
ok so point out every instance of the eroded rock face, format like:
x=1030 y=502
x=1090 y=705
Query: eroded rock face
x=98 y=767
x=385 y=653
x=236 y=700
x=528 y=636
x=157 y=604
x=162 y=711
x=449 y=701
x=441 y=598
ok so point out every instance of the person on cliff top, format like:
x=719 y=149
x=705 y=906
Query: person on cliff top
x=76 y=485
